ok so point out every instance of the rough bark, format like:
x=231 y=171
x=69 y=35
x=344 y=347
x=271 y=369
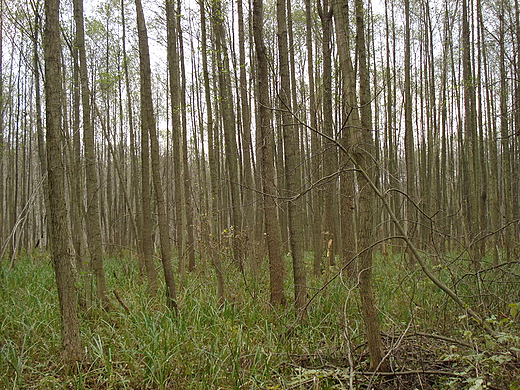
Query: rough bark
x=409 y=144
x=149 y=126
x=93 y=213
x=175 y=96
x=330 y=159
x=363 y=152
x=350 y=121
x=292 y=153
x=268 y=172
x=58 y=231
x=229 y=126
x=213 y=160
x=317 y=246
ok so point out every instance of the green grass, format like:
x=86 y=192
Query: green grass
x=244 y=344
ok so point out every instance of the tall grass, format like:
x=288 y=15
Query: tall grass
x=244 y=344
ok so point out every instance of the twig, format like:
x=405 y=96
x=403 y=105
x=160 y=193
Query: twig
x=116 y=294
x=414 y=372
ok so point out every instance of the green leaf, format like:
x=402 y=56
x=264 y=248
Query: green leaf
x=513 y=309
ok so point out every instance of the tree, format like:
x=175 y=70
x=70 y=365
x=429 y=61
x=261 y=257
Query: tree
x=226 y=106
x=58 y=231
x=175 y=96
x=148 y=125
x=330 y=160
x=268 y=173
x=363 y=154
x=292 y=154
x=213 y=160
x=143 y=237
x=349 y=123
x=91 y=173
x=409 y=145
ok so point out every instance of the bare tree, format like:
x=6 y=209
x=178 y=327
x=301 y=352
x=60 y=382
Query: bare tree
x=268 y=173
x=363 y=155
x=93 y=215
x=292 y=153
x=58 y=231
x=148 y=124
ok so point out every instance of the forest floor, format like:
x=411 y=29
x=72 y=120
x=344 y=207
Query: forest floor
x=429 y=342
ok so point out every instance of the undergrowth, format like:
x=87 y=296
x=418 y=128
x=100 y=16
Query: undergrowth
x=246 y=344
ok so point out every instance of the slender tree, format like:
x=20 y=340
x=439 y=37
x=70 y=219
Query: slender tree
x=317 y=247
x=363 y=155
x=226 y=106
x=93 y=214
x=292 y=154
x=330 y=159
x=175 y=96
x=268 y=173
x=409 y=145
x=58 y=231
x=149 y=126
x=349 y=123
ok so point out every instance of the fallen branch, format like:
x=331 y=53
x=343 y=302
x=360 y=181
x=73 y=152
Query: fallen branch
x=116 y=294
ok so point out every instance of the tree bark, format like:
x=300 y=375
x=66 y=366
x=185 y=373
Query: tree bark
x=363 y=152
x=268 y=172
x=292 y=153
x=350 y=121
x=58 y=231
x=93 y=214
x=409 y=144
x=149 y=126
x=330 y=160
x=229 y=127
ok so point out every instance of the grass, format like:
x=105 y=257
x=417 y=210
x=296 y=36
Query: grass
x=245 y=344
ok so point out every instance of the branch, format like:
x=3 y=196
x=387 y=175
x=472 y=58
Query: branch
x=404 y=235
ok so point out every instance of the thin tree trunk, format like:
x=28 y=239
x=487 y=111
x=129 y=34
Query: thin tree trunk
x=330 y=160
x=93 y=214
x=213 y=160
x=175 y=88
x=186 y=174
x=58 y=232
x=42 y=156
x=268 y=173
x=350 y=121
x=292 y=153
x=470 y=143
x=363 y=151
x=409 y=144
x=247 y=156
x=505 y=139
x=149 y=126
x=229 y=126
x=317 y=247
x=2 y=188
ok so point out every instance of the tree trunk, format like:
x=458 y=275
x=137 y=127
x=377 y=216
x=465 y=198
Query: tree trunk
x=409 y=144
x=317 y=247
x=350 y=121
x=470 y=143
x=175 y=95
x=268 y=173
x=186 y=174
x=330 y=160
x=229 y=126
x=149 y=127
x=213 y=160
x=58 y=231
x=292 y=152
x=93 y=216
x=363 y=150
x=247 y=145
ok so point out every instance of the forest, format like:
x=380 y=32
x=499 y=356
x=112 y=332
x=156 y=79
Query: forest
x=289 y=194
